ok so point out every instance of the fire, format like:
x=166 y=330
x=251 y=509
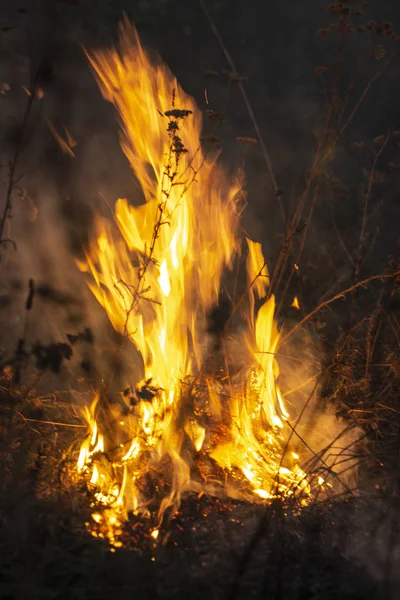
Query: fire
x=157 y=271
x=295 y=303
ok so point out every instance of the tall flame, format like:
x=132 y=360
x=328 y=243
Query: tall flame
x=182 y=190
x=158 y=273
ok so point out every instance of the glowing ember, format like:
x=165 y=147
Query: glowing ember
x=157 y=272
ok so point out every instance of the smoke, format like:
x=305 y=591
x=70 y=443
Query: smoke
x=328 y=446
x=58 y=195
x=54 y=197
x=61 y=191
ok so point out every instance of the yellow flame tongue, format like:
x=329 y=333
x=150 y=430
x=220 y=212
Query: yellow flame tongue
x=157 y=273
x=185 y=233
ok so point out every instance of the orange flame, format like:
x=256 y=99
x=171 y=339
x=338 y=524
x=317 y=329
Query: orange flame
x=158 y=274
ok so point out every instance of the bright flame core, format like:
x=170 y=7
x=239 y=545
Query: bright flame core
x=158 y=274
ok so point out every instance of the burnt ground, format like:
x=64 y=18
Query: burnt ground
x=346 y=547
x=48 y=555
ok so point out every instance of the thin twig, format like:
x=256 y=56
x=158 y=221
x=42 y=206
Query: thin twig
x=232 y=65
x=338 y=296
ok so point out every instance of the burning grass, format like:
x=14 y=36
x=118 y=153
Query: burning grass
x=225 y=432
x=45 y=548
x=185 y=426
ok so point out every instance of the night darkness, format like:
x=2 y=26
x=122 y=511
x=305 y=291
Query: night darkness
x=324 y=98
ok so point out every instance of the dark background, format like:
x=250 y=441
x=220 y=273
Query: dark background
x=274 y=44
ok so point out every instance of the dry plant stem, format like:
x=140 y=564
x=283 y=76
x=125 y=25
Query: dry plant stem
x=245 y=293
x=311 y=464
x=50 y=422
x=370 y=338
x=285 y=249
x=335 y=95
x=267 y=158
x=341 y=241
x=293 y=431
x=169 y=181
x=265 y=520
x=337 y=297
x=14 y=164
x=318 y=457
x=302 y=384
x=300 y=252
x=320 y=159
x=292 y=230
x=367 y=197
x=140 y=290
x=395 y=329
x=346 y=338
x=367 y=88
x=338 y=76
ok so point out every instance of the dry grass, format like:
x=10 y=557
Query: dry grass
x=46 y=552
